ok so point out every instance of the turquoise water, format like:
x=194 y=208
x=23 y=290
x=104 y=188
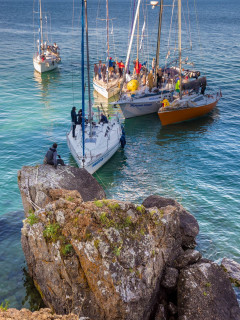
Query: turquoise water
x=196 y=163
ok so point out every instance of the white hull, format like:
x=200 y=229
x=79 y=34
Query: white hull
x=98 y=152
x=141 y=106
x=106 y=92
x=46 y=65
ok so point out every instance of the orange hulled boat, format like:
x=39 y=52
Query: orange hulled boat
x=188 y=108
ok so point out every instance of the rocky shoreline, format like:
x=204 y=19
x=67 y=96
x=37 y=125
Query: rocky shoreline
x=106 y=259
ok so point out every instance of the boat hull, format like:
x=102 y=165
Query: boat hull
x=98 y=162
x=106 y=92
x=44 y=66
x=176 y=116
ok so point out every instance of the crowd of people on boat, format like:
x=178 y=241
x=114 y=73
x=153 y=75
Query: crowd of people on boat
x=114 y=69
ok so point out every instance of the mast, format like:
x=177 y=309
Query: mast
x=130 y=44
x=158 y=41
x=107 y=22
x=40 y=28
x=83 y=93
x=180 y=45
x=138 y=35
x=88 y=72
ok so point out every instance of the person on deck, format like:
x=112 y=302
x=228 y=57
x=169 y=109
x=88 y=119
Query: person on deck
x=150 y=80
x=110 y=65
x=95 y=71
x=153 y=65
x=159 y=77
x=103 y=118
x=74 y=120
x=104 y=71
x=51 y=157
x=137 y=68
x=120 y=68
x=99 y=70
x=79 y=115
x=177 y=86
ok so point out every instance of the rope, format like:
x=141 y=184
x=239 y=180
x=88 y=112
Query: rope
x=170 y=31
x=198 y=29
x=189 y=25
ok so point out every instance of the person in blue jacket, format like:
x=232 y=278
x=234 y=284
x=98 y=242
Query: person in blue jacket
x=103 y=118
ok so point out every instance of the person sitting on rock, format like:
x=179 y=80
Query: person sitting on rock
x=51 y=157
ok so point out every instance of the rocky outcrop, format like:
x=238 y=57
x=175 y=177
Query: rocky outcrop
x=35 y=182
x=107 y=259
x=204 y=292
x=233 y=270
x=43 y=314
x=188 y=224
x=102 y=259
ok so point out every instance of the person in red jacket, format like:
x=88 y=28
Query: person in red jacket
x=120 y=68
x=137 y=67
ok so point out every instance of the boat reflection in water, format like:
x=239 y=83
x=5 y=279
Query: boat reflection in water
x=46 y=81
x=104 y=105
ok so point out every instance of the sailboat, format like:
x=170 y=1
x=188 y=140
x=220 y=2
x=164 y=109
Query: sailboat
x=189 y=106
x=95 y=143
x=108 y=87
x=47 y=57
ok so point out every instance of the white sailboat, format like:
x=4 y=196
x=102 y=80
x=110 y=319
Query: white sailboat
x=143 y=101
x=94 y=144
x=108 y=87
x=47 y=57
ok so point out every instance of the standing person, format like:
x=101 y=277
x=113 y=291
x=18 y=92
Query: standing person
x=79 y=115
x=74 y=120
x=159 y=78
x=103 y=118
x=99 y=70
x=95 y=71
x=110 y=65
x=104 y=71
x=120 y=68
x=114 y=67
x=150 y=80
x=137 y=68
x=51 y=157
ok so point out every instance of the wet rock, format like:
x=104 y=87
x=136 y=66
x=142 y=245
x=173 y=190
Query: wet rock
x=35 y=182
x=188 y=224
x=188 y=257
x=233 y=270
x=107 y=258
x=204 y=292
x=169 y=279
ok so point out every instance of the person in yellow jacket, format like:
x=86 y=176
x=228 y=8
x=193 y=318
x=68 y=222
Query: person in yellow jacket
x=165 y=103
x=177 y=86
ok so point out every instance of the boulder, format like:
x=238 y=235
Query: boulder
x=233 y=270
x=35 y=182
x=188 y=224
x=169 y=279
x=188 y=257
x=204 y=292
x=100 y=259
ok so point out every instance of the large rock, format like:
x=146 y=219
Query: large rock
x=233 y=270
x=101 y=259
x=204 y=292
x=35 y=182
x=188 y=224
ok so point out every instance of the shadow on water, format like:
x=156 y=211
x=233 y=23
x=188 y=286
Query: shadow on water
x=15 y=281
x=188 y=129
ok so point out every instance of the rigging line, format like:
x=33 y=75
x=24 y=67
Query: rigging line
x=198 y=29
x=97 y=33
x=189 y=25
x=170 y=31
x=71 y=53
x=184 y=17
